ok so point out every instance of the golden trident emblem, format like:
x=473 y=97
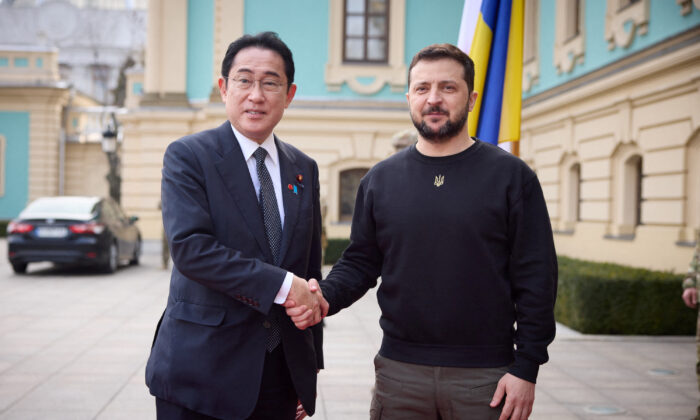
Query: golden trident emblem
x=439 y=180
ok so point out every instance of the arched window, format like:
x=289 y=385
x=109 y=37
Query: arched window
x=575 y=193
x=569 y=193
x=628 y=195
x=693 y=187
x=633 y=191
x=349 y=183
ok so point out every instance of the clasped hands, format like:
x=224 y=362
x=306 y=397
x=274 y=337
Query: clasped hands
x=305 y=304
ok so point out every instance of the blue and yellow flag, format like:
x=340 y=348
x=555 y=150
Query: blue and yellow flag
x=492 y=34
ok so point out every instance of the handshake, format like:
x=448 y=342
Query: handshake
x=305 y=304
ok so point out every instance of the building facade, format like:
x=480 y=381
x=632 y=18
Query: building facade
x=59 y=64
x=610 y=117
x=350 y=103
x=610 y=114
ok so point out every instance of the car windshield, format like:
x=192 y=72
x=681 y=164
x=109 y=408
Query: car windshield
x=60 y=206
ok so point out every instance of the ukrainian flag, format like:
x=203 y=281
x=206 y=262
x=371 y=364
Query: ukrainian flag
x=492 y=34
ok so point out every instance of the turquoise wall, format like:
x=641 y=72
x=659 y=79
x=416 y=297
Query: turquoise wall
x=665 y=21
x=429 y=22
x=14 y=126
x=200 y=51
x=303 y=25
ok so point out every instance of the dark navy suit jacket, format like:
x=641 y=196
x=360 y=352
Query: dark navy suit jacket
x=209 y=350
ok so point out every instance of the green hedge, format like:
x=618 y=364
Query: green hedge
x=334 y=250
x=604 y=298
x=3 y=228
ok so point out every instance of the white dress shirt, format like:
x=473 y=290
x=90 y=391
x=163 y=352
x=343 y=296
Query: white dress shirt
x=272 y=163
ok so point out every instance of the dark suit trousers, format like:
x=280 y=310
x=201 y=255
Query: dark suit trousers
x=277 y=399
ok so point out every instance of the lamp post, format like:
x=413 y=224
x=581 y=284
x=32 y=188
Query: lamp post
x=109 y=146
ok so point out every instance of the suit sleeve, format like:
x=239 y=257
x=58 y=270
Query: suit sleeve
x=195 y=249
x=315 y=260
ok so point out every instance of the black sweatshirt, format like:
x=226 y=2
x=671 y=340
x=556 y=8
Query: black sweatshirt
x=464 y=247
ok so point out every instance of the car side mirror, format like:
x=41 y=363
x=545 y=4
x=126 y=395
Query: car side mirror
x=133 y=219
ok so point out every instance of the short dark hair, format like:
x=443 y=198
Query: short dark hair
x=264 y=40
x=440 y=51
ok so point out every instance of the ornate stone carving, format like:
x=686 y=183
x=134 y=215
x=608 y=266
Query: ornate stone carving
x=622 y=24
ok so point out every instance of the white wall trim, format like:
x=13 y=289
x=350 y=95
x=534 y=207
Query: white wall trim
x=616 y=18
x=568 y=51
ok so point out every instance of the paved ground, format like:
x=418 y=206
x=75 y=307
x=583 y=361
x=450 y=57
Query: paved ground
x=73 y=345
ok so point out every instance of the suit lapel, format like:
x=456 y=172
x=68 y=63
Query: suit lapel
x=234 y=173
x=288 y=174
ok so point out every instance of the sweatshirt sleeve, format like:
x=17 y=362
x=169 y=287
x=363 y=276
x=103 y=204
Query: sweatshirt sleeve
x=533 y=275
x=360 y=265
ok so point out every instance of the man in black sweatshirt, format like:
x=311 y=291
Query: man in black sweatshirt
x=458 y=230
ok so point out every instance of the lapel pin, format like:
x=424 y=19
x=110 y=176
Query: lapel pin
x=292 y=188
x=299 y=179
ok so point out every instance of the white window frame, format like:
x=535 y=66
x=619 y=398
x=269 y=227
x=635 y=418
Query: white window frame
x=569 y=51
x=531 y=67
x=570 y=187
x=626 y=198
x=692 y=185
x=393 y=73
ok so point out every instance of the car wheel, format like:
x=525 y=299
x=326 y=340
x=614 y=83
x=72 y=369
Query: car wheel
x=19 y=268
x=112 y=259
x=137 y=254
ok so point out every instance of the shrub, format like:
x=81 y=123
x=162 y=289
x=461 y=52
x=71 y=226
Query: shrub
x=335 y=249
x=604 y=298
x=3 y=228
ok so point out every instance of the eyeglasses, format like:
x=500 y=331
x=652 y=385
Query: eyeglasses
x=267 y=85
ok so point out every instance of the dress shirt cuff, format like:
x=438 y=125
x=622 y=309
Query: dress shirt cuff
x=284 y=290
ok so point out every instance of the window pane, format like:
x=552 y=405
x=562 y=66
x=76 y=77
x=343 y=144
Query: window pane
x=572 y=19
x=530 y=40
x=354 y=49
x=639 y=197
x=355 y=25
x=377 y=26
x=377 y=6
x=349 y=183
x=355 y=6
x=375 y=50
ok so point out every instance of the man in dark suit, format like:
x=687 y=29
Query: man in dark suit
x=242 y=218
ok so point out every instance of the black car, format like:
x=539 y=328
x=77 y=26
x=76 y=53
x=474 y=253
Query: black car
x=73 y=230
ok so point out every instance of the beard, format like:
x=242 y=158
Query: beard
x=448 y=130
